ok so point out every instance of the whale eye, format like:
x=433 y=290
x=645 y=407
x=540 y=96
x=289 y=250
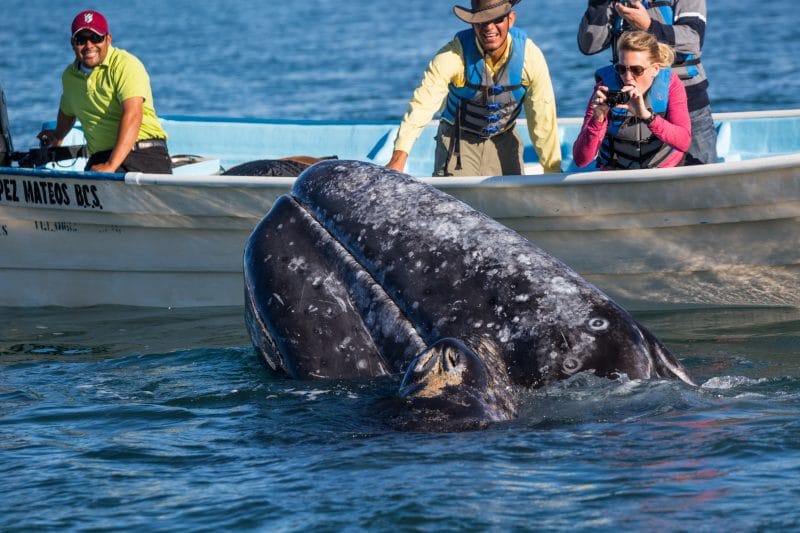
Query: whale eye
x=571 y=365
x=597 y=324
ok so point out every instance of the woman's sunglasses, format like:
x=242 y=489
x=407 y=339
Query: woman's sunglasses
x=81 y=40
x=636 y=70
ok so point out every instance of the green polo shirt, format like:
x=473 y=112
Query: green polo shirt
x=96 y=99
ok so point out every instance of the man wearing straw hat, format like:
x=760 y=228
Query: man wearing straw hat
x=481 y=81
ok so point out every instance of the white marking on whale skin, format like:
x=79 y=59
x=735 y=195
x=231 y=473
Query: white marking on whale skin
x=345 y=343
x=560 y=285
x=386 y=245
x=504 y=335
x=522 y=298
x=492 y=272
x=341 y=302
x=333 y=289
x=573 y=365
x=598 y=324
x=448 y=230
x=586 y=342
x=297 y=263
x=278 y=297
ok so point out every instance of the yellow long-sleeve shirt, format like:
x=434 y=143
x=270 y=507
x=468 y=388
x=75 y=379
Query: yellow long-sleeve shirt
x=448 y=66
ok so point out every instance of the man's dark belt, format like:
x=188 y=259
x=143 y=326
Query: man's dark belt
x=149 y=143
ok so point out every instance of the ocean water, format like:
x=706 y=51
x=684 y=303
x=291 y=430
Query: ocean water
x=156 y=419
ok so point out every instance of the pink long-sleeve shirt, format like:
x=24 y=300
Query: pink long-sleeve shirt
x=674 y=128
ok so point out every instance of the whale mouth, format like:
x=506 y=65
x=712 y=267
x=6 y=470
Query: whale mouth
x=446 y=365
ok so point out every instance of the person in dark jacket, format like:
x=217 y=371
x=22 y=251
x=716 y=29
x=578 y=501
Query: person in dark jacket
x=680 y=24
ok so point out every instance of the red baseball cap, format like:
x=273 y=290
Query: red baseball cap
x=90 y=20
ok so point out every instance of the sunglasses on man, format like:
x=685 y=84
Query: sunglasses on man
x=81 y=40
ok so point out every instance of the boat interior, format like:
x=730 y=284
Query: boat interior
x=203 y=146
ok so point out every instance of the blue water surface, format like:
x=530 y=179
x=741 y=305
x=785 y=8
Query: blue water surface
x=156 y=419
x=317 y=59
x=163 y=419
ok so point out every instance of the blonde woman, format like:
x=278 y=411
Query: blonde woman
x=638 y=115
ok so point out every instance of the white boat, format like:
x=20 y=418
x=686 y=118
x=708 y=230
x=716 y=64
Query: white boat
x=726 y=234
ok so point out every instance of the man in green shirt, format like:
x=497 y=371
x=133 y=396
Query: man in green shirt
x=108 y=90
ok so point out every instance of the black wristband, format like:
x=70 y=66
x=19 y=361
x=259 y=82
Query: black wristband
x=649 y=120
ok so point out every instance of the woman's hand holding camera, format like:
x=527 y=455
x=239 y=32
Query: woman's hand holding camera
x=629 y=97
x=599 y=104
x=636 y=103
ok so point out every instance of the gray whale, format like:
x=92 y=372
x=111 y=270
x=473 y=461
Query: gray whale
x=363 y=271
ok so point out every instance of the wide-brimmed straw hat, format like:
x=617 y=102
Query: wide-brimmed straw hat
x=485 y=10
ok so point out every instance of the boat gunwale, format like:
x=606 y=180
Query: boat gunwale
x=597 y=177
x=725 y=115
x=593 y=177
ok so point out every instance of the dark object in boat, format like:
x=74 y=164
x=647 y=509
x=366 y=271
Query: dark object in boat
x=287 y=166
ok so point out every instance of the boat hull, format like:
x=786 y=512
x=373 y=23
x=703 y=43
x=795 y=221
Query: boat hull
x=714 y=235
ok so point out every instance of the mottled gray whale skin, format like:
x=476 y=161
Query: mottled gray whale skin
x=363 y=269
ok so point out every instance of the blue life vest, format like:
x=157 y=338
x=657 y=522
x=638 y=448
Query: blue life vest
x=485 y=106
x=685 y=65
x=629 y=143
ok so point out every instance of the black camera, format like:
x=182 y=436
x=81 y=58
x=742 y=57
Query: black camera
x=615 y=98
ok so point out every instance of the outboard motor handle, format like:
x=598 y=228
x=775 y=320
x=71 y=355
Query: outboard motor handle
x=6 y=146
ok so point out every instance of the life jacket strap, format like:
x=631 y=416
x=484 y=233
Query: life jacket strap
x=493 y=90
